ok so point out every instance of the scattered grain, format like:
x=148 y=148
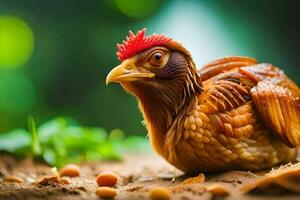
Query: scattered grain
x=160 y=193
x=70 y=170
x=106 y=192
x=218 y=189
x=13 y=179
x=107 y=179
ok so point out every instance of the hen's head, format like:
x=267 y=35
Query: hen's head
x=160 y=72
x=155 y=64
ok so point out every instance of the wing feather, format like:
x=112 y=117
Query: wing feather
x=224 y=64
x=230 y=81
x=279 y=109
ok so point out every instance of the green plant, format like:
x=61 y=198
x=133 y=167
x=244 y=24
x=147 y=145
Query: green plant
x=61 y=141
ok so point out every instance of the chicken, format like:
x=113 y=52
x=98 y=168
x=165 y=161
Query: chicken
x=233 y=113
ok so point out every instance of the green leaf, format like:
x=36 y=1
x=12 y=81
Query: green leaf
x=35 y=143
x=93 y=155
x=116 y=134
x=61 y=141
x=50 y=128
x=14 y=140
x=95 y=134
x=82 y=138
x=49 y=156
x=110 y=151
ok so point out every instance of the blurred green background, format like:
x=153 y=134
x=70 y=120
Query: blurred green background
x=55 y=55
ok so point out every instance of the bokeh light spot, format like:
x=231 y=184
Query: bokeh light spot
x=16 y=41
x=17 y=94
x=199 y=28
x=137 y=8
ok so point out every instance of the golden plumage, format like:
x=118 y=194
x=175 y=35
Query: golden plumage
x=239 y=121
x=231 y=114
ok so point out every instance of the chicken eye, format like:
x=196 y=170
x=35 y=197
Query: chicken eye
x=157 y=58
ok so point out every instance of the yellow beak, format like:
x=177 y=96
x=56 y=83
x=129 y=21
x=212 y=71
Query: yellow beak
x=126 y=71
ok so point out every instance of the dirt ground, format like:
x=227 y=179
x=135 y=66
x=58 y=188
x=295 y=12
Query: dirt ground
x=137 y=175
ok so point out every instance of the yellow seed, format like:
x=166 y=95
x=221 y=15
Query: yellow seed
x=160 y=193
x=107 y=179
x=70 y=170
x=106 y=192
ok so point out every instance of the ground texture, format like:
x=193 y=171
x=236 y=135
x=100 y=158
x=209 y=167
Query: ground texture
x=21 y=179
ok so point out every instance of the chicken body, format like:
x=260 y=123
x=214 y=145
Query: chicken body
x=223 y=129
x=233 y=113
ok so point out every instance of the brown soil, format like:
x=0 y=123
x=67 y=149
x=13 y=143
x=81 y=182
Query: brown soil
x=25 y=179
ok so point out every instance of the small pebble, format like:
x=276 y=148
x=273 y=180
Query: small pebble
x=106 y=192
x=160 y=193
x=70 y=170
x=108 y=179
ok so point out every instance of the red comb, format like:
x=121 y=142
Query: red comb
x=138 y=43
